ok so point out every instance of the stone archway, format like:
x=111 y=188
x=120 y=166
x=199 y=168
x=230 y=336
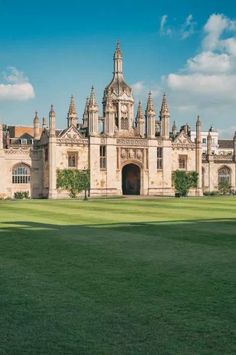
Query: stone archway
x=131 y=179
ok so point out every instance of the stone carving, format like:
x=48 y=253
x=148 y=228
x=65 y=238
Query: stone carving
x=132 y=154
x=139 y=154
x=132 y=142
x=19 y=151
x=123 y=154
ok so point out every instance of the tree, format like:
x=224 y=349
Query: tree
x=183 y=181
x=85 y=182
x=73 y=181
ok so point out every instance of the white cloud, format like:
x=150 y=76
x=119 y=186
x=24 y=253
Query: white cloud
x=138 y=88
x=164 y=29
x=188 y=28
x=183 y=31
x=141 y=90
x=216 y=25
x=209 y=62
x=15 y=86
x=207 y=83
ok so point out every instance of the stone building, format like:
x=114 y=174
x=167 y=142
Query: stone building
x=131 y=154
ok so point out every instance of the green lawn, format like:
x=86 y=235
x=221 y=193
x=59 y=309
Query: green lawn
x=118 y=276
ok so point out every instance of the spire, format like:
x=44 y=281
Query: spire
x=86 y=105
x=209 y=142
x=51 y=112
x=72 y=109
x=150 y=117
x=164 y=108
x=92 y=99
x=234 y=136
x=117 y=53
x=139 y=115
x=85 y=114
x=150 y=107
x=174 y=128
x=140 y=121
x=198 y=122
x=72 y=115
x=109 y=105
x=44 y=123
x=36 y=119
x=36 y=126
x=52 y=127
x=93 y=114
x=118 y=70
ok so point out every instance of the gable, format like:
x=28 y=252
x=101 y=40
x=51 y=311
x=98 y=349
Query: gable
x=70 y=135
x=183 y=141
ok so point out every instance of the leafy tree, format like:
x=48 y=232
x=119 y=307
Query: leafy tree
x=224 y=187
x=85 y=182
x=73 y=181
x=184 y=180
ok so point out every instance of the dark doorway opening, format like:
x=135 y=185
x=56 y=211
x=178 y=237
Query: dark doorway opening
x=131 y=180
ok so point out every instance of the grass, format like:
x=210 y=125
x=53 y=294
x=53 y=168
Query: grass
x=118 y=276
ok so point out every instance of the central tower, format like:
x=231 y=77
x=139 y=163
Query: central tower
x=120 y=95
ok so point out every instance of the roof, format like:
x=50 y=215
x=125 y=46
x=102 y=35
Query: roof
x=19 y=131
x=226 y=143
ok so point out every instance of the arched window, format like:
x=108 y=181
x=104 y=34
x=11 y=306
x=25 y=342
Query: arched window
x=124 y=123
x=224 y=175
x=21 y=174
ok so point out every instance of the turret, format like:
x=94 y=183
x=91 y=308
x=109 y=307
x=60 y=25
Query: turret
x=140 y=121
x=209 y=144
x=93 y=114
x=36 y=127
x=198 y=131
x=234 y=140
x=118 y=62
x=174 y=129
x=52 y=118
x=164 y=117
x=72 y=115
x=85 y=114
x=44 y=123
x=109 y=123
x=150 y=117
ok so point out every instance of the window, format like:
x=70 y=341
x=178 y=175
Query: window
x=204 y=140
x=183 y=162
x=103 y=158
x=159 y=158
x=224 y=175
x=124 y=123
x=72 y=160
x=21 y=174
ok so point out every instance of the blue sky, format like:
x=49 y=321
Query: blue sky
x=52 y=49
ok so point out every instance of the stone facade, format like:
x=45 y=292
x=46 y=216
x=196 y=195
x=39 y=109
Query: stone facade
x=131 y=154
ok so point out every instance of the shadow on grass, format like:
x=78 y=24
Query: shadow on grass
x=130 y=288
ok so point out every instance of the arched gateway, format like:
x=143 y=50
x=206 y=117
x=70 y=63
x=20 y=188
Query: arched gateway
x=131 y=180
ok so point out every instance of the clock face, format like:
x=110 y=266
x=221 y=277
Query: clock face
x=124 y=108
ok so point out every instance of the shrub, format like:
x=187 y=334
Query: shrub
x=211 y=193
x=224 y=187
x=20 y=195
